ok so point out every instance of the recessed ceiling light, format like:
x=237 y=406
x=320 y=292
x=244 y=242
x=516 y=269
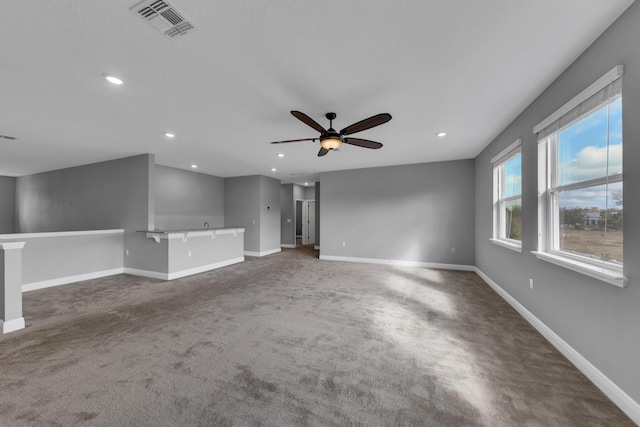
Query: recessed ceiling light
x=280 y=155
x=306 y=183
x=169 y=135
x=194 y=166
x=113 y=79
x=441 y=134
x=273 y=169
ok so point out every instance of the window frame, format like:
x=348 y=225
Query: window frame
x=499 y=220
x=549 y=190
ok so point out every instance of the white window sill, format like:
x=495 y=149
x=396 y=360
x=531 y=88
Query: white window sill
x=613 y=277
x=513 y=246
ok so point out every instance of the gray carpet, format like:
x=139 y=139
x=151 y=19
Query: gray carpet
x=288 y=340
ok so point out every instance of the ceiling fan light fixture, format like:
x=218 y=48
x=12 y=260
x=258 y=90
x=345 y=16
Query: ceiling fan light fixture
x=330 y=142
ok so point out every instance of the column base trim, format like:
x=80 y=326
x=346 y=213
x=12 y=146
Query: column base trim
x=7 y=326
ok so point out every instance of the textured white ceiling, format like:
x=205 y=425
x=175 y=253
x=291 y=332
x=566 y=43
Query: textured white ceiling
x=468 y=67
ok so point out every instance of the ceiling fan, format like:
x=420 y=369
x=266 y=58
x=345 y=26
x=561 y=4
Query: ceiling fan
x=331 y=140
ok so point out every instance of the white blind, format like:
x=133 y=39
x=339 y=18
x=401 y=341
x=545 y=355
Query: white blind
x=605 y=89
x=508 y=152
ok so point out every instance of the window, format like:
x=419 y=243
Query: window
x=507 y=197
x=580 y=203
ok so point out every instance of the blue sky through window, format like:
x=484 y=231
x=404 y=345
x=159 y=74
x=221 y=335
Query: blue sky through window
x=591 y=148
x=512 y=177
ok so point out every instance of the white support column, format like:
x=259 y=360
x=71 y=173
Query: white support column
x=11 y=287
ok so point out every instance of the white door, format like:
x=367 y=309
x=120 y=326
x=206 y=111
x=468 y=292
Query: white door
x=311 y=222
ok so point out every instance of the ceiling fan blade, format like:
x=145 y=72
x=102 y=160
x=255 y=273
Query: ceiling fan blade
x=294 y=140
x=322 y=152
x=307 y=120
x=363 y=143
x=365 y=124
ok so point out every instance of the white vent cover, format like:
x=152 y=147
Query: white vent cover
x=164 y=17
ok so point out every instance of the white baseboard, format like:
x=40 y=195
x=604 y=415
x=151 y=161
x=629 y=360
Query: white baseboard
x=182 y=273
x=608 y=387
x=287 y=246
x=399 y=263
x=11 y=325
x=146 y=273
x=202 y=269
x=70 y=279
x=263 y=253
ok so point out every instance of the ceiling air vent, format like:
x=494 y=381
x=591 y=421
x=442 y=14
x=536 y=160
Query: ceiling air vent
x=164 y=17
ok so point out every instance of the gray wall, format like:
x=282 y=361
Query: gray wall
x=186 y=199
x=7 y=204
x=203 y=251
x=50 y=258
x=298 y=192
x=411 y=213
x=112 y=194
x=309 y=193
x=596 y=319
x=269 y=214
x=242 y=208
x=253 y=202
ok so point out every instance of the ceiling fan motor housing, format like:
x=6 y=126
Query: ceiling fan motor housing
x=334 y=138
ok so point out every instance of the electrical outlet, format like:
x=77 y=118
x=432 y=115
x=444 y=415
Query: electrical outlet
x=531 y=283
x=344 y=244
x=189 y=253
x=127 y=252
x=453 y=250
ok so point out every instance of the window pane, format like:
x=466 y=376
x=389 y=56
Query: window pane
x=590 y=221
x=513 y=219
x=585 y=146
x=512 y=177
